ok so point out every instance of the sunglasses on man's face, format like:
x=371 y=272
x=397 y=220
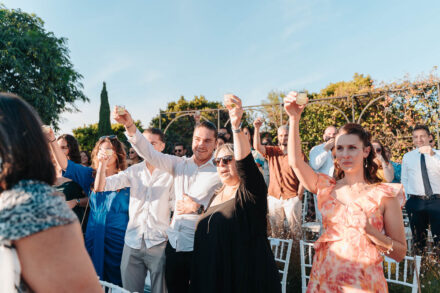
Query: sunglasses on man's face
x=225 y=160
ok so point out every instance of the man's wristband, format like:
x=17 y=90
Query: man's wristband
x=130 y=125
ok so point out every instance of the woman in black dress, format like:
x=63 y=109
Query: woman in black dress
x=231 y=249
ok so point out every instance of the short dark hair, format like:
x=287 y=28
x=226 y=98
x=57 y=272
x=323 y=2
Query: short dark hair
x=180 y=144
x=208 y=125
x=422 y=127
x=23 y=146
x=74 y=153
x=156 y=131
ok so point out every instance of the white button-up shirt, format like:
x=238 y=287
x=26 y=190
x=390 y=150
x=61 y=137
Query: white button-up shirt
x=412 y=172
x=321 y=160
x=198 y=182
x=151 y=199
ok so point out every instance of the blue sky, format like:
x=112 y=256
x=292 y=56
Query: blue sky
x=151 y=52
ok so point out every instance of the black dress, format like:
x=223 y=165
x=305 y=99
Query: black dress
x=73 y=190
x=231 y=249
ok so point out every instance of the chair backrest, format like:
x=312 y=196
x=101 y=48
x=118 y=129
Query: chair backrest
x=405 y=273
x=306 y=252
x=112 y=288
x=282 y=248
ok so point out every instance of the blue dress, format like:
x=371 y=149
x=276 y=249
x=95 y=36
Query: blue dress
x=107 y=223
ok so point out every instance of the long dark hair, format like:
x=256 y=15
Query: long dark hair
x=370 y=167
x=74 y=153
x=383 y=152
x=118 y=148
x=23 y=147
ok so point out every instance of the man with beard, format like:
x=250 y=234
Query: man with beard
x=195 y=181
x=285 y=191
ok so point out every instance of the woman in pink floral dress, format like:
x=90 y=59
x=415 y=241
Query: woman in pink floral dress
x=362 y=217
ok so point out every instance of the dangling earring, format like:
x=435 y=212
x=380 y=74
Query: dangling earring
x=366 y=163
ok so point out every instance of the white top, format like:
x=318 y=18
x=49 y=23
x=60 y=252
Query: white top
x=321 y=160
x=198 y=182
x=151 y=198
x=412 y=173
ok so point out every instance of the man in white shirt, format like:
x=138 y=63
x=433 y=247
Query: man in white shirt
x=321 y=159
x=151 y=200
x=195 y=181
x=421 y=180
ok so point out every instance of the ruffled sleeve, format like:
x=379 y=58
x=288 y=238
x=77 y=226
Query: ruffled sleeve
x=389 y=190
x=324 y=187
x=31 y=207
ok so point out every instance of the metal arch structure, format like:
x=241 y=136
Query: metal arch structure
x=322 y=101
x=180 y=116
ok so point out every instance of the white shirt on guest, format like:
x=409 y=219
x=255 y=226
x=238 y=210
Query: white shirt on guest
x=321 y=160
x=198 y=182
x=412 y=173
x=151 y=200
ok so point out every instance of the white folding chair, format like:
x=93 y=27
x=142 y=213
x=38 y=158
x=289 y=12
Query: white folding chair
x=112 y=288
x=307 y=252
x=282 y=248
x=395 y=273
x=310 y=227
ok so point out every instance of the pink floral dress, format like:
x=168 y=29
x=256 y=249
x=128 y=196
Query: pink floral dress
x=345 y=259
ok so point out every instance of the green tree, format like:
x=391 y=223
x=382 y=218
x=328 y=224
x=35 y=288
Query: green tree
x=35 y=64
x=104 y=125
x=87 y=135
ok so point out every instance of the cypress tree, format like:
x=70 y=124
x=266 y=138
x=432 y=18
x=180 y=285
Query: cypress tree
x=104 y=126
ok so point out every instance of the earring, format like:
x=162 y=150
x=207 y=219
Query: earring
x=366 y=163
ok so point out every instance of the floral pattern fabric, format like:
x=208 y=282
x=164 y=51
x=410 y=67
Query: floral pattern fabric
x=345 y=259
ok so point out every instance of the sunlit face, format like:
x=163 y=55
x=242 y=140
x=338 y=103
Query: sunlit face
x=84 y=158
x=108 y=146
x=155 y=141
x=350 y=153
x=283 y=136
x=132 y=154
x=179 y=151
x=420 y=138
x=227 y=172
x=203 y=143
x=330 y=132
x=63 y=145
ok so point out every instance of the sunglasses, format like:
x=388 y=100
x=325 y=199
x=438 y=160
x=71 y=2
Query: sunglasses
x=107 y=136
x=178 y=151
x=131 y=152
x=378 y=150
x=225 y=160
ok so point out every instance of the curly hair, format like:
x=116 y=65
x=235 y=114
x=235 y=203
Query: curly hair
x=72 y=144
x=118 y=148
x=369 y=166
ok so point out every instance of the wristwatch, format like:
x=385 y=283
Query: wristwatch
x=236 y=130
x=200 y=209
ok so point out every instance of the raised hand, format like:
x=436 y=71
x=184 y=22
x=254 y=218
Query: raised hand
x=48 y=132
x=104 y=155
x=233 y=104
x=258 y=123
x=426 y=150
x=292 y=108
x=124 y=119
